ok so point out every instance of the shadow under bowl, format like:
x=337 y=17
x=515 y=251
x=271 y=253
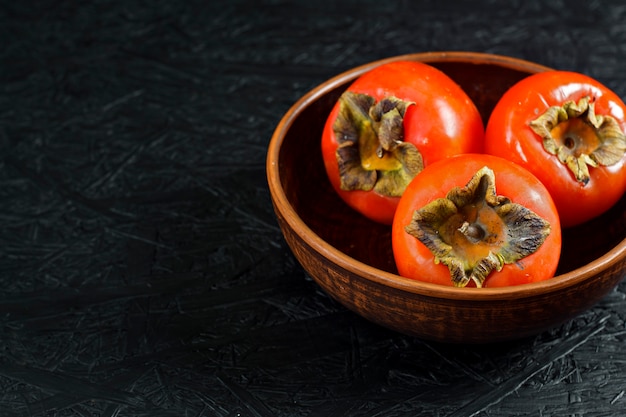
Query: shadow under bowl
x=351 y=257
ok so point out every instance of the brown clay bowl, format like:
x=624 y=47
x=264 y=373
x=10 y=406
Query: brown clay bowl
x=351 y=258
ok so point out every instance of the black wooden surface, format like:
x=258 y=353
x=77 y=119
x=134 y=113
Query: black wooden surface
x=142 y=271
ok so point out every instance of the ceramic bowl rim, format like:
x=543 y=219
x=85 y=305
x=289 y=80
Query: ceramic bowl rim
x=337 y=257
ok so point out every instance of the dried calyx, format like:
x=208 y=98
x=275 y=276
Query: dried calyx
x=372 y=154
x=474 y=231
x=579 y=137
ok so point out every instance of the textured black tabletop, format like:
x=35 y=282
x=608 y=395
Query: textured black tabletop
x=142 y=270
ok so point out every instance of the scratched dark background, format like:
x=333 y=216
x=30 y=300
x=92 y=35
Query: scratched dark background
x=142 y=272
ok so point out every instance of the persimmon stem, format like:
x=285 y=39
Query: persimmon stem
x=472 y=231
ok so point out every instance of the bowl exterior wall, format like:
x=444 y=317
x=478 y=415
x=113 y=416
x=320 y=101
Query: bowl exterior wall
x=449 y=320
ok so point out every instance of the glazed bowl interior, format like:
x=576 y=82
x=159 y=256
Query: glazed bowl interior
x=310 y=212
